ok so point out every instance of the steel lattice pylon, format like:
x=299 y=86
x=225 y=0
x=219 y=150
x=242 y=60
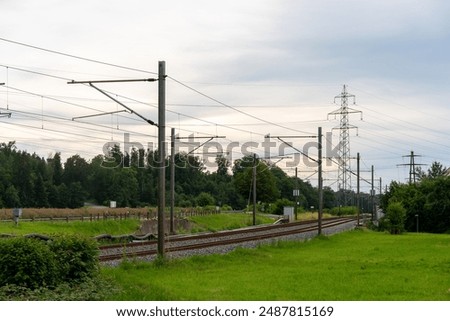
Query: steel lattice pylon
x=344 y=170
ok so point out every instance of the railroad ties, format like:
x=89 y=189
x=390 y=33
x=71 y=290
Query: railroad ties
x=222 y=242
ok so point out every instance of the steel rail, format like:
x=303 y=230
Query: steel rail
x=135 y=253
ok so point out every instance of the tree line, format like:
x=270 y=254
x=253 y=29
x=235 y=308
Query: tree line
x=423 y=205
x=130 y=179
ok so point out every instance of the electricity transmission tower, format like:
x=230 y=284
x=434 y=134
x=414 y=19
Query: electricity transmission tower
x=344 y=169
x=412 y=166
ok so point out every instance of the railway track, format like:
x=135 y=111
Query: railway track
x=174 y=245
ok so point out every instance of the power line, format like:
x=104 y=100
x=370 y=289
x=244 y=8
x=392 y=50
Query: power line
x=36 y=115
x=121 y=96
x=229 y=125
x=75 y=56
x=234 y=108
x=62 y=101
x=221 y=104
x=414 y=127
x=401 y=105
x=188 y=116
x=35 y=72
x=39 y=115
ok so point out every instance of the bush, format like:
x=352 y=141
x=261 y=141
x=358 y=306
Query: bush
x=226 y=208
x=343 y=210
x=76 y=257
x=27 y=262
x=395 y=217
x=278 y=206
x=98 y=289
x=33 y=263
x=205 y=199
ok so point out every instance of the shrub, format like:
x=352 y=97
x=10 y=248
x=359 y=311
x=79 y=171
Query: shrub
x=226 y=208
x=27 y=262
x=76 y=257
x=278 y=206
x=395 y=217
x=205 y=199
x=98 y=289
x=33 y=263
x=343 y=210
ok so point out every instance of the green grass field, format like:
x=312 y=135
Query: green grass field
x=85 y=228
x=215 y=222
x=220 y=222
x=356 y=265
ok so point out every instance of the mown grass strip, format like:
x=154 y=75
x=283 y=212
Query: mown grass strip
x=356 y=265
x=221 y=222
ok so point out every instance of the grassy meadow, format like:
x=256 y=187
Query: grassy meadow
x=356 y=265
x=220 y=222
x=211 y=223
x=84 y=228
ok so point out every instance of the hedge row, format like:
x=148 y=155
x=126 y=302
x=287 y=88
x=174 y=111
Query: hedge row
x=34 y=263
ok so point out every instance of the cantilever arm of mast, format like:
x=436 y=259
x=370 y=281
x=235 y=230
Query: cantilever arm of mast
x=100 y=114
x=210 y=139
x=106 y=81
x=115 y=100
x=298 y=150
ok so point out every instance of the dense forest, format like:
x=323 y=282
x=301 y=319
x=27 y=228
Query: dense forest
x=27 y=180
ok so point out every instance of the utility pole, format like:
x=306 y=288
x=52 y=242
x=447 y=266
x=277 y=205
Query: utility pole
x=172 y=180
x=357 y=189
x=344 y=170
x=319 y=162
x=254 y=189
x=372 y=195
x=162 y=155
x=161 y=136
x=296 y=193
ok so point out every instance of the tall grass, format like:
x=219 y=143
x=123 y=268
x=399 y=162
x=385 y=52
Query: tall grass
x=357 y=265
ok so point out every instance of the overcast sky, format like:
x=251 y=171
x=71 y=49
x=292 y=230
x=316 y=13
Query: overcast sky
x=240 y=69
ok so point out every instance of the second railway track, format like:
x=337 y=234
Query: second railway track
x=216 y=242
